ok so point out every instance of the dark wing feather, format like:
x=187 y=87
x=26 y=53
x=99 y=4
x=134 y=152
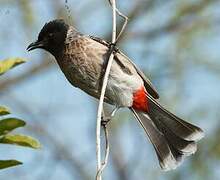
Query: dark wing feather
x=148 y=85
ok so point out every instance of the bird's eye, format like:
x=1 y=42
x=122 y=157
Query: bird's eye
x=50 y=35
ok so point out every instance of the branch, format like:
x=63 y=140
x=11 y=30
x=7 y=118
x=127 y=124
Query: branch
x=104 y=163
x=125 y=21
x=101 y=100
x=101 y=166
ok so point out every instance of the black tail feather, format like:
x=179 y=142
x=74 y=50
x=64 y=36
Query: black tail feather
x=166 y=159
x=172 y=137
x=178 y=126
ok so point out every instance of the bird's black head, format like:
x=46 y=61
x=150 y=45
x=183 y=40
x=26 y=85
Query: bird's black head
x=51 y=37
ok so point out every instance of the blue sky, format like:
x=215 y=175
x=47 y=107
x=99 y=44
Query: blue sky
x=71 y=113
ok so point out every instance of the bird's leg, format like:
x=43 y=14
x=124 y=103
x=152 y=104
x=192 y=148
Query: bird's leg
x=114 y=47
x=105 y=119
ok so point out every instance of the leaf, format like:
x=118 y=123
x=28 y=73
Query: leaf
x=9 y=163
x=7 y=64
x=9 y=124
x=20 y=140
x=4 y=111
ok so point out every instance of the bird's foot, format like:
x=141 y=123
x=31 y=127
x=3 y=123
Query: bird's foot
x=113 y=45
x=105 y=120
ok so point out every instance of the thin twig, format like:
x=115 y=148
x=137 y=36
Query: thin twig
x=104 y=163
x=100 y=107
x=125 y=21
x=107 y=148
x=101 y=166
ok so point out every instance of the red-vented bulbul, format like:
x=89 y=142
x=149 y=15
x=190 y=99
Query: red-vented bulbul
x=82 y=57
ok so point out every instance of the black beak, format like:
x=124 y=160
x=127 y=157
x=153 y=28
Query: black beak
x=35 y=45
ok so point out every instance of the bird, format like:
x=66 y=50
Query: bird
x=82 y=59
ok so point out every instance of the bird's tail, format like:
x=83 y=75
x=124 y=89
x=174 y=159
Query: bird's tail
x=172 y=137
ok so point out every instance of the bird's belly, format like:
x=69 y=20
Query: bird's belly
x=120 y=86
x=118 y=92
x=82 y=81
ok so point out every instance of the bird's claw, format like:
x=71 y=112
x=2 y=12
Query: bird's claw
x=105 y=121
x=113 y=45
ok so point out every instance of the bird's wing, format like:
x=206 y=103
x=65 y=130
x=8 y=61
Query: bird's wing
x=148 y=85
x=120 y=57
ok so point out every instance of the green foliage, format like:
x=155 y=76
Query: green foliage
x=7 y=64
x=9 y=124
x=21 y=140
x=4 y=111
x=9 y=163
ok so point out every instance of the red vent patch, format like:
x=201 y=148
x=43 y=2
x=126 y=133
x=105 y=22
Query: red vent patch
x=140 y=101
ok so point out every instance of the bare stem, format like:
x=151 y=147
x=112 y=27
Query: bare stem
x=101 y=100
x=107 y=149
x=125 y=21
x=100 y=165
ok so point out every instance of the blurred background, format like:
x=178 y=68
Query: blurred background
x=176 y=43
